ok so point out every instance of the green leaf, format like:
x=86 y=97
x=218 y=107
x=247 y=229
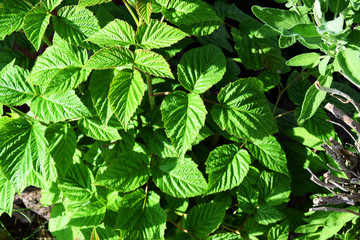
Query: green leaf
x=274 y=188
x=269 y=153
x=51 y=4
x=62 y=144
x=349 y=60
x=75 y=26
x=85 y=213
x=152 y=63
x=183 y=115
x=247 y=197
x=200 y=68
x=125 y=94
x=225 y=236
x=58 y=107
x=156 y=34
x=35 y=24
x=94 y=128
x=313 y=98
x=14 y=89
x=7 y=193
x=178 y=178
x=267 y=214
x=204 y=219
x=158 y=143
x=279 y=232
x=12 y=13
x=227 y=166
x=309 y=60
x=111 y=58
x=116 y=33
x=243 y=110
x=86 y=3
x=141 y=216
x=336 y=6
x=127 y=172
x=144 y=9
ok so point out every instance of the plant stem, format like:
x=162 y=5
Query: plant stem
x=131 y=12
x=209 y=101
x=161 y=94
x=19 y=112
x=150 y=92
x=182 y=229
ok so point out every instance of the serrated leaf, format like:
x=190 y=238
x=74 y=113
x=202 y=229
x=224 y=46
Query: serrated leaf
x=274 y=188
x=158 y=143
x=116 y=33
x=243 y=110
x=204 y=219
x=125 y=94
x=75 y=26
x=62 y=144
x=313 y=98
x=12 y=13
x=279 y=232
x=94 y=235
x=14 y=89
x=349 y=60
x=58 y=107
x=225 y=236
x=269 y=153
x=310 y=60
x=94 y=128
x=144 y=9
x=86 y=3
x=227 y=166
x=7 y=193
x=152 y=63
x=111 y=58
x=51 y=4
x=247 y=197
x=156 y=34
x=200 y=68
x=141 y=216
x=178 y=178
x=267 y=214
x=85 y=213
x=35 y=24
x=126 y=173
x=183 y=115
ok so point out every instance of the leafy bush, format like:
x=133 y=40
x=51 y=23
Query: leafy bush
x=168 y=119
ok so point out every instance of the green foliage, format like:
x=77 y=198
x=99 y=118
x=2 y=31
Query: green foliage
x=134 y=118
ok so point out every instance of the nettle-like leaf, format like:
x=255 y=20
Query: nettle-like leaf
x=14 y=89
x=227 y=166
x=243 y=110
x=75 y=26
x=156 y=34
x=12 y=13
x=86 y=3
x=183 y=115
x=178 y=178
x=125 y=94
x=85 y=213
x=94 y=128
x=116 y=33
x=111 y=58
x=126 y=173
x=140 y=216
x=200 y=68
x=274 y=188
x=152 y=63
x=144 y=9
x=7 y=193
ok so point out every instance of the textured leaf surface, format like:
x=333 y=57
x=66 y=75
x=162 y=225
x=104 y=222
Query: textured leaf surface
x=267 y=214
x=86 y=214
x=183 y=115
x=86 y=3
x=158 y=143
x=94 y=128
x=14 y=89
x=157 y=34
x=349 y=60
x=116 y=33
x=274 y=188
x=125 y=94
x=269 y=153
x=126 y=173
x=227 y=166
x=243 y=110
x=111 y=58
x=178 y=178
x=200 y=68
x=7 y=193
x=58 y=107
x=152 y=63
x=139 y=220
x=144 y=9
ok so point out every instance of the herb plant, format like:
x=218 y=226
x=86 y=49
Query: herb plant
x=174 y=119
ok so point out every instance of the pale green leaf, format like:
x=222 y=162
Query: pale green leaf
x=125 y=94
x=144 y=9
x=35 y=24
x=303 y=136
x=85 y=213
x=178 y=178
x=243 y=110
x=7 y=193
x=269 y=153
x=111 y=58
x=227 y=166
x=94 y=128
x=58 y=107
x=310 y=60
x=152 y=63
x=51 y=4
x=349 y=60
x=75 y=26
x=87 y=3
x=116 y=33
x=200 y=68
x=183 y=115
x=127 y=172
x=274 y=188
x=140 y=216
x=156 y=34
x=14 y=89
